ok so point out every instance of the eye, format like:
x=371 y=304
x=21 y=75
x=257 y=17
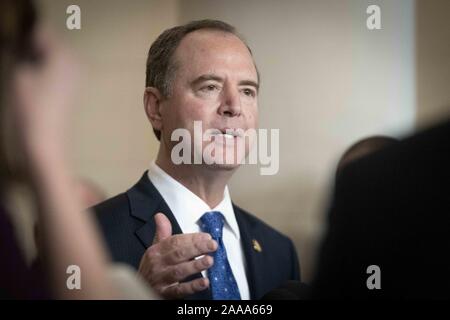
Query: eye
x=209 y=88
x=249 y=92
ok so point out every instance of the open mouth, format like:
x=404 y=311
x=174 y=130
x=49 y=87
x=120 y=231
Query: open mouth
x=228 y=136
x=229 y=133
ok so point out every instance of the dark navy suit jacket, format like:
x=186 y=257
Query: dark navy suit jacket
x=127 y=223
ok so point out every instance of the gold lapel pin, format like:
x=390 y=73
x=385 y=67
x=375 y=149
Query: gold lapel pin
x=256 y=245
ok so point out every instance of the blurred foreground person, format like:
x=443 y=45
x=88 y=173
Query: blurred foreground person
x=36 y=94
x=89 y=193
x=362 y=148
x=296 y=290
x=389 y=225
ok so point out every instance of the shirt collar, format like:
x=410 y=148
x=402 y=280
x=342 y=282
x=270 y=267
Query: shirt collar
x=186 y=206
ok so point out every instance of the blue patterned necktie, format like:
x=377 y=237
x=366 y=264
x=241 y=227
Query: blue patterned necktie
x=223 y=284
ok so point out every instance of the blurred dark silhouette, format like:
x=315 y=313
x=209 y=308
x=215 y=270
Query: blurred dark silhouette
x=392 y=210
x=290 y=290
x=363 y=148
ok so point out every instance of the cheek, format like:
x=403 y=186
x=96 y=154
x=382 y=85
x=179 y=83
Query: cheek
x=183 y=113
x=252 y=117
x=196 y=110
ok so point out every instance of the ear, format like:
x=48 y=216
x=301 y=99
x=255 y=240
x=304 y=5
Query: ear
x=152 y=105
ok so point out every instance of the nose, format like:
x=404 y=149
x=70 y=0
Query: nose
x=231 y=102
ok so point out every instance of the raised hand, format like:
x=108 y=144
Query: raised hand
x=168 y=261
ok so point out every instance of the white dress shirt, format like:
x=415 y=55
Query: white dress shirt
x=188 y=208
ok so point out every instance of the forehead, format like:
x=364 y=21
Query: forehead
x=214 y=51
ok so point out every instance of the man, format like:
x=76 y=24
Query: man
x=389 y=225
x=177 y=225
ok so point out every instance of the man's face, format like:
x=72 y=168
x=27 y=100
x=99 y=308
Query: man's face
x=215 y=82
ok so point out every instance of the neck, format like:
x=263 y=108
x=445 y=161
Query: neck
x=205 y=181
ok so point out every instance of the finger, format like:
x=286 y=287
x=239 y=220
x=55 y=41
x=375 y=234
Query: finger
x=163 y=228
x=188 y=251
x=179 y=272
x=156 y=259
x=181 y=240
x=184 y=289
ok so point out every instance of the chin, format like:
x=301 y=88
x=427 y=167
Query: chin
x=218 y=159
x=225 y=167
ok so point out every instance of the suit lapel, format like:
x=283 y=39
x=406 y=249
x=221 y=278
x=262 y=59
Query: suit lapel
x=253 y=258
x=145 y=202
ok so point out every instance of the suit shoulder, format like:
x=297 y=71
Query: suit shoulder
x=282 y=257
x=112 y=204
x=260 y=226
x=112 y=209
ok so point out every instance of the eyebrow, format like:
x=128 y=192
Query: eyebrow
x=207 y=77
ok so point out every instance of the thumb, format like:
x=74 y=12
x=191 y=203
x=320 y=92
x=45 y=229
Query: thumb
x=163 y=227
